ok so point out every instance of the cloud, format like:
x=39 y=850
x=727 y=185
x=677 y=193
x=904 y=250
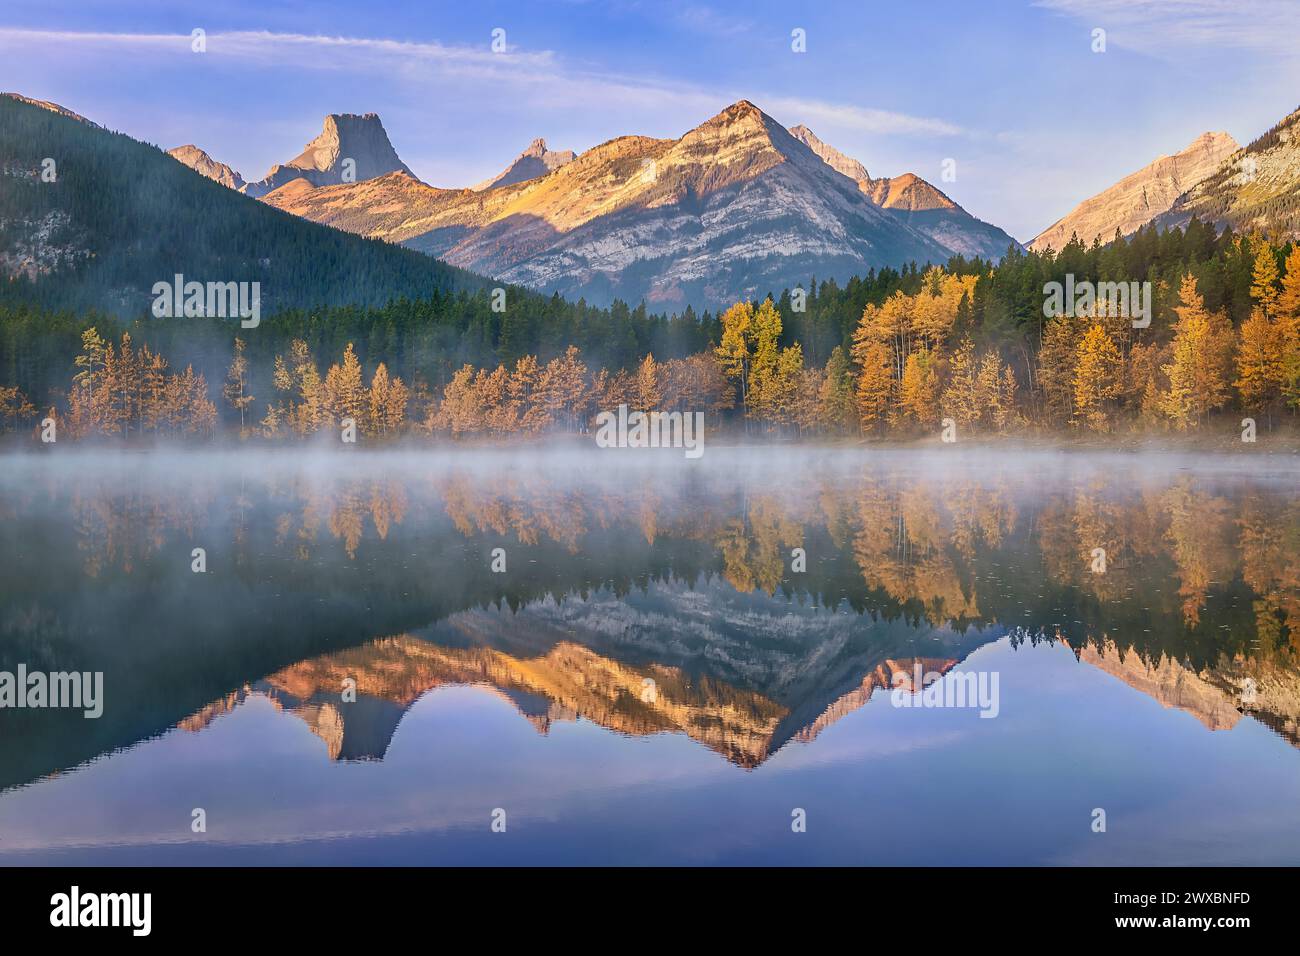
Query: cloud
x=539 y=78
x=859 y=118
x=1170 y=27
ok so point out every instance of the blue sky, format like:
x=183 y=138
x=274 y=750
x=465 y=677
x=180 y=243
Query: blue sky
x=1010 y=89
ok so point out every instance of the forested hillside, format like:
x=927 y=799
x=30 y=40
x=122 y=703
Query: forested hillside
x=894 y=352
x=91 y=219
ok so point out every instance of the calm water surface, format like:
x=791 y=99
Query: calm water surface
x=650 y=679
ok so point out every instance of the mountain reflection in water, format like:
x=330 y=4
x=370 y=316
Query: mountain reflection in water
x=641 y=595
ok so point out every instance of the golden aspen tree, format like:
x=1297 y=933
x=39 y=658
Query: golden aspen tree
x=153 y=389
x=918 y=392
x=1264 y=278
x=875 y=388
x=500 y=412
x=1098 y=371
x=1260 y=365
x=989 y=392
x=14 y=407
x=456 y=412
x=1201 y=352
x=646 y=393
x=530 y=414
x=733 y=350
x=1288 y=319
x=961 y=396
x=781 y=387
x=395 y=406
x=376 y=419
x=763 y=402
x=344 y=392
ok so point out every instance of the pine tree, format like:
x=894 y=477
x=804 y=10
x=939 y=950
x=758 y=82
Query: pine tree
x=836 y=400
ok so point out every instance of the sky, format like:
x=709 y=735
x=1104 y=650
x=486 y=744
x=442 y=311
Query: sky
x=1012 y=90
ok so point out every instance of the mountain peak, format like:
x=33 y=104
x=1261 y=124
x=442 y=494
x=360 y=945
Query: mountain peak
x=203 y=164
x=831 y=156
x=738 y=112
x=1253 y=188
x=1141 y=196
x=351 y=147
x=537 y=160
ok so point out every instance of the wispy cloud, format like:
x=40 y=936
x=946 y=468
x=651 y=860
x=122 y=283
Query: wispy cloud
x=1174 y=27
x=539 y=77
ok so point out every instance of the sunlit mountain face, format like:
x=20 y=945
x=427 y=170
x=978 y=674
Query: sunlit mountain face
x=381 y=652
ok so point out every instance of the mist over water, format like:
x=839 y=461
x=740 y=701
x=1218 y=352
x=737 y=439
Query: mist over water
x=643 y=658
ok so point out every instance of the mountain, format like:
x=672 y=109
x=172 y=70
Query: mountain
x=735 y=208
x=122 y=215
x=52 y=107
x=832 y=157
x=203 y=164
x=916 y=202
x=345 y=136
x=1257 y=188
x=1139 y=197
x=535 y=161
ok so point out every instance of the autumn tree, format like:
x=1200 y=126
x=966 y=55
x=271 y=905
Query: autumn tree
x=918 y=393
x=1098 y=378
x=875 y=390
x=1260 y=362
x=646 y=394
x=735 y=349
x=1056 y=362
x=344 y=392
x=1201 y=355
x=15 y=408
x=235 y=390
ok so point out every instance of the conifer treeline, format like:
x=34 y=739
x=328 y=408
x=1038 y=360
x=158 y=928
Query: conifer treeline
x=894 y=353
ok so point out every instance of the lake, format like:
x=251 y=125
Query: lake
x=789 y=656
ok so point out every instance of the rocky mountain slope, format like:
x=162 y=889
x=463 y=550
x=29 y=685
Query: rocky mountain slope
x=1139 y=197
x=536 y=160
x=916 y=202
x=1256 y=188
x=203 y=164
x=736 y=207
x=350 y=148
